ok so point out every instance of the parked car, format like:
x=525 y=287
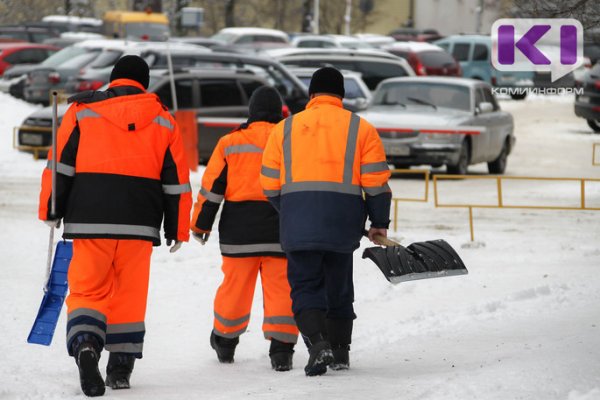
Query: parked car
x=293 y=92
x=69 y=23
x=23 y=53
x=426 y=58
x=314 y=42
x=25 y=33
x=441 y=120
x=374 y=39
x=373 y=65
x=220 y=100
x=357 y=95
x=97 y=73
x=249 y=39
x=415 y=35
x=197 y=40
x=473 y=53
x=587 y=105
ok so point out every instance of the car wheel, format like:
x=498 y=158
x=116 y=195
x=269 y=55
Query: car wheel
x=463 y=161
x=498 y=166
x=594 y=124
x=518 y=96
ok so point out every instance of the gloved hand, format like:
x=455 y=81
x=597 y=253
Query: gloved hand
x=175 y=247
x=201 y=237
x=53 y=223
x=373 y=232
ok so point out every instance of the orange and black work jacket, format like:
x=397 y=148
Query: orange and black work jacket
x=249 y=225
x=316 y=166
x=120 y=168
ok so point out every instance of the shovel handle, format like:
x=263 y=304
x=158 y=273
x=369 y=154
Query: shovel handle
x=385 y=241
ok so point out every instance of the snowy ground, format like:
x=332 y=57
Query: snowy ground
x=524 y=324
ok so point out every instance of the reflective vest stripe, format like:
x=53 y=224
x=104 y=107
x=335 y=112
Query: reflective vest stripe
x=112 y=329
x=374 y=167
x=250 y=248
x=280 y=320
x=111 y=229
x=287 y=148
x=270 y=172
x=85 y=113
x=177 y=189
x=232 y=322
x=242 y=148
x=162 y=121
x=210 y=196
x=61 y=168
x=321 y=187
x=351 y=148
x=272 y=193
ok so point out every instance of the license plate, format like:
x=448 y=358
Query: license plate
x=584 y=99
x=397 y=150
x=31 y=139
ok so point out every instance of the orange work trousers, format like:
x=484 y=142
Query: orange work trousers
x=108 y=289
x=233 y=300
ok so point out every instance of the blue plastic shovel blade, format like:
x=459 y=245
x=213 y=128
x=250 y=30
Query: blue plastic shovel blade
x=43 y=328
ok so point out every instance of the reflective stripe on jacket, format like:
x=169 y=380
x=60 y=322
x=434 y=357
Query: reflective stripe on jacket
x=120 y=168
x=316 y=166
x=249 y=225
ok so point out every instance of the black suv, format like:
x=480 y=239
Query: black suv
x=587 y=105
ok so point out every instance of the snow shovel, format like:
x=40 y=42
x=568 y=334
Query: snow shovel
x=420 y=260
x=55 y=288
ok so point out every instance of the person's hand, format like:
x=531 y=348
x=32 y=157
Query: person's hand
x=175 y=247
x=201 y=237
x=53 y=223
x=376 y=232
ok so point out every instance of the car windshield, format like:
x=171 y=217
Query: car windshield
x=223 y=37
x=63 y=55
x=421 y=94
x=106 y=59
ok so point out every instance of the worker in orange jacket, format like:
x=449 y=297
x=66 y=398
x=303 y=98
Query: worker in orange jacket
x=120 y=169
x=248 y=235
x=316 y=167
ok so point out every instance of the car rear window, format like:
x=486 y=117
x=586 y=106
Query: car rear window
x=220 y=93
x=63 y=55
x=353 y=91
x=461 y=51
x=374 y=72
x=106 y=59
x=436 y=58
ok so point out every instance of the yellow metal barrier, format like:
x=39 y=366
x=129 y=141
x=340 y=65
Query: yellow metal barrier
x=425 y=198
x=594 y=162
x=501 y=203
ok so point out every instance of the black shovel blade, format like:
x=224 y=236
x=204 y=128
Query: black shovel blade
x=420 y=260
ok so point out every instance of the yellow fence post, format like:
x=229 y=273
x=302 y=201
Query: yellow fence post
x=471 y=223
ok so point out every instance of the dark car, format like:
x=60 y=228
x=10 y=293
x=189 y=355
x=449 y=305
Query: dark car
x=426 y=58
x=293 y=92
x=587 y=105
x=220 y=100
x=24 y=33
x=23 y=53
x=415 y=35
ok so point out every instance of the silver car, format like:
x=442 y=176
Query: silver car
x=438 y=120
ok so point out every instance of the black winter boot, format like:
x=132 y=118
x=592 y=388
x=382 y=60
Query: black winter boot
x=224 y=347
x=339 y=333
x=118 y=370
x=87 y=355
x=281 y=355
x=311 y=324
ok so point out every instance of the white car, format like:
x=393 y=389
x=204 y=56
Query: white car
x=250 y=36
x=357 y=95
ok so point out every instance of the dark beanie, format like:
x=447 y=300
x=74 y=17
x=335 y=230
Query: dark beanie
x=327 y=80
x=131 y=67
x=265 y=105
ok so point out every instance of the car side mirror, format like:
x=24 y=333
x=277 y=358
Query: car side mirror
x=484 y=108
x=361 y=103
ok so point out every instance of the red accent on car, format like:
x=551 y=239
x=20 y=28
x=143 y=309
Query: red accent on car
x=285 y=111
x=54 y=78
x=88 y=85
x=597 y=84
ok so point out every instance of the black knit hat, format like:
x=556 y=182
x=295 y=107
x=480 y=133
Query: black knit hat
x=265 y=105
x=327 y=80
x=131 y=67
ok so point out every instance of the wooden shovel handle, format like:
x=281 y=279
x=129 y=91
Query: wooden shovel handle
x=385 y=241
